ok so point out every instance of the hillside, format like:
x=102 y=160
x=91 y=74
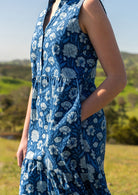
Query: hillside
x=15 y=83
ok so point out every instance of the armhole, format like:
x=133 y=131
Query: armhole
x=78 y=14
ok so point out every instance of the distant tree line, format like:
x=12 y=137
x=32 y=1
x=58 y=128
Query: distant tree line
x=120 y=128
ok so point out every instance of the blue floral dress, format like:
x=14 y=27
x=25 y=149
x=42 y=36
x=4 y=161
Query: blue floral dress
x=65 y=156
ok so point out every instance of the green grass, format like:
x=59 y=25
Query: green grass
x=9 y=171
x=7 y=84
x=126 y=91
x=120 y=168
x=121 y=165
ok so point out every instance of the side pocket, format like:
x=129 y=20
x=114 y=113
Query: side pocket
x=79 y=101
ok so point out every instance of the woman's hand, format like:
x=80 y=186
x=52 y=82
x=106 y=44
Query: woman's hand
x=21 y=152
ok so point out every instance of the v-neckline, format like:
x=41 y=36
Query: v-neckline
x=48 y=9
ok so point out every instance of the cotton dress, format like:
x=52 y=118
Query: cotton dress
x=65 y=156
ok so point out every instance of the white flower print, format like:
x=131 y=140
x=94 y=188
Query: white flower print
x=35 y=136
x=33 y=56
x=30 y=155
x=70 y=50
x=102 y=148
x=45 y=56
x=83 y=38
x=52 y=36
x=51 y=60
x=90 y=130
x=49 y=164
x=40 y=41
x=73 y=93
x=73 y=26
x=43 y=106
x=83 y=163
x=25 y=176
x=39 y=145
x=34 y=115
x=91 y=62
x=91 y=172
x=61 y=163
x=55 y=23
x=53 y=149
x=99 y=160
x=58 y=139
x=47 y=95
x=63 y=15
x=100 y=176
x=46 y=45
x=103 y=125
x=80 y=61
x=43 y=136
x=55 y=100
x=56 y=73
x=39 y=166
x=95 y=120
x=55 y=49
x=68 y=73
x=44 y=83
x=39 y=23
x=40 y=122
x=93 y=73
x=34 y=93
x=85 y=145
x=39 y=158
x=99 y=136
x=29 y=188
x=48 y=118
x=38 y=100
x=48 y=32
x=60 y=89
x=34 y=45
x=48 y=69
x=73 y=164
x=93 y=154
x=95 y=144
x=58 y=114
x=41 y=186
x=66 y=105
x=72 y=117
x=46 y=142
x=71 y=143
x=65 y=130
x=65 y=154
x=60 y=26
x=46 y=127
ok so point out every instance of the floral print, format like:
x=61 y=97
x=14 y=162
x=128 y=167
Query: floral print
x=65 y=156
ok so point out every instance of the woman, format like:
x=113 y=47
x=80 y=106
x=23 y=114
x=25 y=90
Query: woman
x=63 y=142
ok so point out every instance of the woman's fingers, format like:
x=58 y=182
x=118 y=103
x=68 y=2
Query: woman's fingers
x=24 y=153
x=19 y=158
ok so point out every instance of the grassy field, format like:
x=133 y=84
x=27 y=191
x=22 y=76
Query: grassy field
x=120 y=168
x=8 y=84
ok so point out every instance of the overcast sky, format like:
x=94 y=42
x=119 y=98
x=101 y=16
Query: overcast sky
x=18 y=19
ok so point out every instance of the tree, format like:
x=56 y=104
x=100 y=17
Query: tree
x=133 y=99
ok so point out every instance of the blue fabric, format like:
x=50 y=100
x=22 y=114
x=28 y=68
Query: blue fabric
x=64 y=155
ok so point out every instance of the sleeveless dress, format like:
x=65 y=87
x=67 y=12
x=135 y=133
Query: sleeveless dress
x=65 y=156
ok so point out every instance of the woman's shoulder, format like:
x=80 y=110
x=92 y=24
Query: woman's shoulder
x=90 y=10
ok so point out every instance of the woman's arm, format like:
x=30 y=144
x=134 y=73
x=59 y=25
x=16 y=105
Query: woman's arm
x=97 y=26
x=23 y=143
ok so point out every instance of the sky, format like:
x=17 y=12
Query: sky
x=18 y=19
